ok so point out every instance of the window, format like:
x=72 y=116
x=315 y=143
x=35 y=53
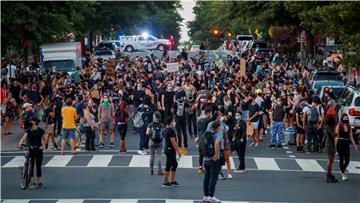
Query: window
x=141 y=39
x=357 y=101
x=151 y=38
x=60 y=65
x=349 y=99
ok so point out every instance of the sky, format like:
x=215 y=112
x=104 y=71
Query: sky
x=187 y=15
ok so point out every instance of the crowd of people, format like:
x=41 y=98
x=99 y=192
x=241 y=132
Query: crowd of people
x=202 y=101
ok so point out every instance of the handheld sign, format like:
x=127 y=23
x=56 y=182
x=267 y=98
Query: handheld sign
x=172 y=67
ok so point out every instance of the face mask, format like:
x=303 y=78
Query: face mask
x=106 y=103
x=300 y=83
x=237 y=117
x=139 y=88
x=345 y=121
x=128 y=86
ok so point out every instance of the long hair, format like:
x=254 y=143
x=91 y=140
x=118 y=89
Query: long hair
x=342 y=123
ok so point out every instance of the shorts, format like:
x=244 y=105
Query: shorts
x=261 y=121
x=106 y=126
x=49 y=128
x=68 y=133
x=255 y=124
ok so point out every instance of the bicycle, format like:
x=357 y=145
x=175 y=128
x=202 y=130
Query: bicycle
x=25 y=170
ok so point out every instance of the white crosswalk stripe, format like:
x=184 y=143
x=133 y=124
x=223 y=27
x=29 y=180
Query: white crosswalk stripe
x=70 y=201
x=266 y=164
x=117 y=200
x=15 y=201
x=100 y=161
x=124 y=201
x=187 y=162
x=309 y=165
x=15 y=162
x=59 y=161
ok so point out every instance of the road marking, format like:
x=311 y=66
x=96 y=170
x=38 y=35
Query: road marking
x=59 y=161
x=266 y=164
x=140 y=161
x=288 y=152
x=15 y=162
x=285 y=147
x=309 y=165
x=124 y=201
x=354 y=167
x=186 y=162
x=100 y=161
x=15 y=201
x=179 y=201
x=70 y=201
x=232 y=163
x=292 y=156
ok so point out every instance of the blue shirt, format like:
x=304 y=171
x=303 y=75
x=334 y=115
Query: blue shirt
x=218 y=136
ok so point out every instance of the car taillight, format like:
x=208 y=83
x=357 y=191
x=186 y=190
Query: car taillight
x=354 y=112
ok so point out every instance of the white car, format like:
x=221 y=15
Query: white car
x=195 y=47
x=143 y=42
x=351 y=106
x=104 y=54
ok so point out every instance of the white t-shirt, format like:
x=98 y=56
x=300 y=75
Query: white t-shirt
x=13 y=71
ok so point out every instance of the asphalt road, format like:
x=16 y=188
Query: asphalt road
x=280 y=175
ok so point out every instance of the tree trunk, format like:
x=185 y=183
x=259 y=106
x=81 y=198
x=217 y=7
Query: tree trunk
x=309 y=45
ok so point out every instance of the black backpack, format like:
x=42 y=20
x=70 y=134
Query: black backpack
x=207 y=144
x=156 y=135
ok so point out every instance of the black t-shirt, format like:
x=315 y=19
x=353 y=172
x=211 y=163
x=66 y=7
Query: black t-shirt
x=35 y=137
x=168 y=99
x=202 y=124
x=253 y=108
x=180 y=94
x=138 y=97
x=168 y=133
x=176 y=104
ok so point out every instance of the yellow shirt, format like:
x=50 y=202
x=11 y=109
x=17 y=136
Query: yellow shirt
x=68 y=113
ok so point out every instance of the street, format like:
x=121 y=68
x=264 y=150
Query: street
x=280 y=175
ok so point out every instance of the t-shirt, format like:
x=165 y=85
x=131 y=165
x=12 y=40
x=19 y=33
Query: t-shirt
x=35 y=137
x=218 y=136
x=168 y=133
x=68 y=113
x=279 y=113
x=253 y=108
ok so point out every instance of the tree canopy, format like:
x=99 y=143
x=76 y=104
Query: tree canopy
x=28 y=24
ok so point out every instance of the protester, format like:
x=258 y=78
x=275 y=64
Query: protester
x=155 y=131
x=89 y=127
x=69 y=116
x=240 y=140
x=106 y=114
x=330 y=134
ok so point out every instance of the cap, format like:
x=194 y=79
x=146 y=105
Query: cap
x=258 y=91
x=157 y=115
x=26 y=105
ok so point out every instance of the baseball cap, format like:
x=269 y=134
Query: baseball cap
x=26 y=105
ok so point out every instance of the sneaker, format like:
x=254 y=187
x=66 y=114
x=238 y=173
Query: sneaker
x=229 y=176
x=166 y=185
x=200 y=170
x=175 y=184
x=240 y=170
x=214 y=199
x=344 y=177
x=331 y=179
x=255 y=145
x=41 y=185
x=252 y=144
x=141 y=152
x=221 y=176
x=272 y=146
x=145 y=152
x=111 y=145
x=279 y=146
x=101 y=145
x=205 y=199
x=32 y=186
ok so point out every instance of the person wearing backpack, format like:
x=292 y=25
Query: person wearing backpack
x=154 y=131
x=141 y=120
x=278 y=116
x=210 y=149
x=311 y=118
x=202 y=126
x=26 y=116
x=180 y=119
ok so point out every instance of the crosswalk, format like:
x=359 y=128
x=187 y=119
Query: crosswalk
x=116 y=201
x=186 y=162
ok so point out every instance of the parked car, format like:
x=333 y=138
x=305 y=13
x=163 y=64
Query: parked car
x=351 y=107
x=104 y=54
x=111 y=45
x=329 y=83
x=326 y=75
x=143 y=42
x=334 y=89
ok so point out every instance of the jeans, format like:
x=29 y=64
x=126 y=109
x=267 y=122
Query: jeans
x=210 y=177
x=143 y=136
x=192 y=124
x=277 y=128
x=90 y=138
x=58 y=126
x=181 y=130
x=343 y=149
x=312 y=137
x=155 y=149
